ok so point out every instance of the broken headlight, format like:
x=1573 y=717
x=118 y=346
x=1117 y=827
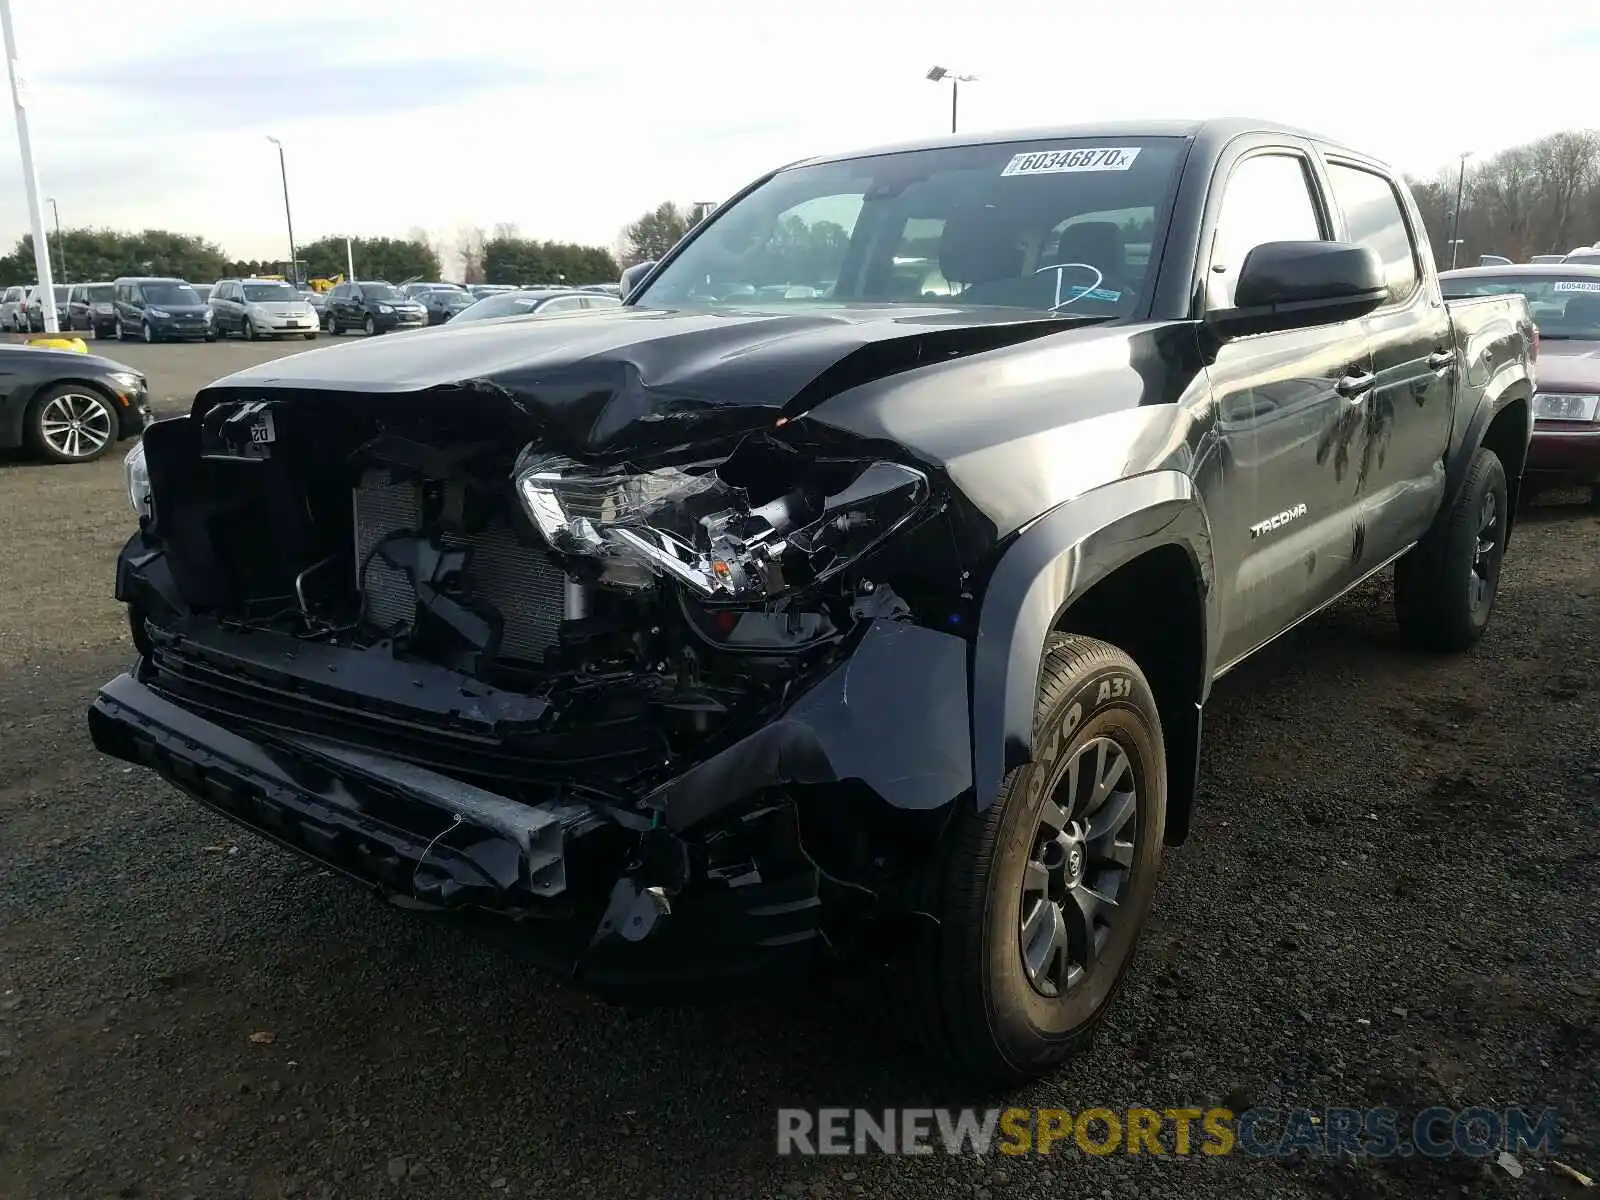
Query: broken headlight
x=690 y=524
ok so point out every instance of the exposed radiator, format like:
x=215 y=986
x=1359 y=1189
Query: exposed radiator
x=529 y=592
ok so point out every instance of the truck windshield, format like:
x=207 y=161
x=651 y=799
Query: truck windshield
x=1562 y=307
x=1064 y=225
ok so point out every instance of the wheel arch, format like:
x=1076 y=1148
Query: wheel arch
x=1501 y=422
x=1130 y=563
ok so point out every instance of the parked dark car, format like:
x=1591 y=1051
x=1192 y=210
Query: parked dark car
x=34 y=315
x=704 y=638
x=67 y=407
x=92 y=307
x=161 y=309
x=1583 y=257
x=261 y=308
x=1564 y=300
x=372 y=307
x=543 y=301
x=417 y=290
x=480 y=290
x=444 y=303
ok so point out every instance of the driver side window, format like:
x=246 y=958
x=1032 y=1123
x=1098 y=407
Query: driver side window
x=1268 y=199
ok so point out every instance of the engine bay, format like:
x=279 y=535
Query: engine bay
x=661 y=611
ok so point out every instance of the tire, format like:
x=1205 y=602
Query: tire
x=247 y=330
x=147 y=333
x=70 y=423
x=310 y=337
x=968 y=994
x=371 y=327
x=1594 y=496
x=1445 y=587
x=331 y=325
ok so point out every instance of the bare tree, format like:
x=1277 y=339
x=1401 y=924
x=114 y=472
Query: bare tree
x=504 y=231
x=469 y=248
x=1507 y=186
x=1568 y=164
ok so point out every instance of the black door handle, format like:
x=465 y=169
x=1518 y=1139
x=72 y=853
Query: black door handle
x=1440 y=359
x=1353 y=387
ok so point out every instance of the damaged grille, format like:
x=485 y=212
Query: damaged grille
x=527 y=590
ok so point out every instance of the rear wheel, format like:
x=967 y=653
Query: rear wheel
x=1445 y=588
x=1042 y=897
x=70 y=423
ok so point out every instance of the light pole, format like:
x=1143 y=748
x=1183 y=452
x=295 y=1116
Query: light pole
x=30 y=177
x=936 y=74
x=1455 y=219
x=61 y=246
x=288 y=216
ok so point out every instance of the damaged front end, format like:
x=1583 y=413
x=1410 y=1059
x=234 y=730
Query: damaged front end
x=682 y=717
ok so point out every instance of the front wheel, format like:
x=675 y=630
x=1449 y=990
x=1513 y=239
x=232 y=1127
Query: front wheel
x=247 y=330
x=371 y=327
x=310 y=337
x=1041 y=897
x=71 y=424
x=1445 y=587
x=331 y=325
x=147 y=333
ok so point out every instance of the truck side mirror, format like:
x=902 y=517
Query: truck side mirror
x=632 y=277
x=1295 y=285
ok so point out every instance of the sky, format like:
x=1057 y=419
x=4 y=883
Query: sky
x=568 y=118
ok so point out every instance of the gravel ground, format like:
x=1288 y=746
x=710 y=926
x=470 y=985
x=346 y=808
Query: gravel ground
x=1389 y=899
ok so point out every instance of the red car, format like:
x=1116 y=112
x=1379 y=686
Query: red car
x=1564 y=299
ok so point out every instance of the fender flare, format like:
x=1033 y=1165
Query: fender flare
x=1052 y=563
x=1503 y=389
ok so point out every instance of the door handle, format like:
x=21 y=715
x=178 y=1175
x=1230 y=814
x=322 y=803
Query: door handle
x=1353 y=387
x=1440 y=359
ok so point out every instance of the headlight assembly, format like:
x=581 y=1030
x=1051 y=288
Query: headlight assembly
x=689 y=524
x=137 y=476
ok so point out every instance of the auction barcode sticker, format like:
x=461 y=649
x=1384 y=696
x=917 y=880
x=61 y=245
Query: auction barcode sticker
x=1577 y=285
x=1054 y=162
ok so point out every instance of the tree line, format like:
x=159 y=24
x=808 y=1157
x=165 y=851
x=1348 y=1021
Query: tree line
x=1542 y=197
x=104 y=254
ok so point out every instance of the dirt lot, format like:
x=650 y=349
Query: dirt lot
x=1389 y=899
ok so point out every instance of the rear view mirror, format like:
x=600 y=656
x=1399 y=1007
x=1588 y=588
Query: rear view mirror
x=1295 y=285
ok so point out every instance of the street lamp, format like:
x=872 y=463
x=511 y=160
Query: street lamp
x=288 y=216
x=61 y=246
x=936 y=74
x=1455 y=219
x=30 y=176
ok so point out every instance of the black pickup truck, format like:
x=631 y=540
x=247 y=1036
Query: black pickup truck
x=853 y=592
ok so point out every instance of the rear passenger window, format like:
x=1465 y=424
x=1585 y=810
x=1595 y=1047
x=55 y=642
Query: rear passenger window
x=1268 y=199
x=1374 y=218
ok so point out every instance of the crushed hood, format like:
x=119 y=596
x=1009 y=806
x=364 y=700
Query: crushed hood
x=614 y=381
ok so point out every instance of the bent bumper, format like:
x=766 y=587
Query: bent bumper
x=617 y=908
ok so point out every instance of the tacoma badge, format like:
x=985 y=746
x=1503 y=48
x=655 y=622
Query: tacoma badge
x=1277 y=522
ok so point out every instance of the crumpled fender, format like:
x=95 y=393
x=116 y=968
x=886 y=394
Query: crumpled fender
x=893 y=714
x=1052 y=563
